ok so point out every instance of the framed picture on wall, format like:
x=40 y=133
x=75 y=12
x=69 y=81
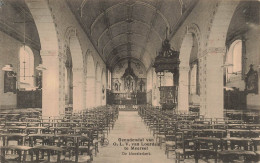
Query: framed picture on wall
x=251 y=81
x=9 y=82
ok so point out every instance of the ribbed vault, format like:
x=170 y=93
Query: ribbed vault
x=122 y=29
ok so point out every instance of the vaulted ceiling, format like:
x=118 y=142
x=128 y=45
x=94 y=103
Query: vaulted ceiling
x=122 y=29
x=17 y=21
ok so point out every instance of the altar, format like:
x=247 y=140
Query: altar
x=128 y=86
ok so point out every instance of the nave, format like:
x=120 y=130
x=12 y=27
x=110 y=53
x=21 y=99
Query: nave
x=106 y=134
x=130 y=125
x=190 y=68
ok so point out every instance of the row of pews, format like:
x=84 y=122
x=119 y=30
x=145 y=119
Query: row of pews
x=190 y=136
x=251 y=116
x=72 y=137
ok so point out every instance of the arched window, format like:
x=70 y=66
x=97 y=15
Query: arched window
x=237 y=57
x=234 y=59
x=26 y=68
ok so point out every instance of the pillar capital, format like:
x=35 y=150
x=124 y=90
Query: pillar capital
x=77 y=69
x=62 y=56
x=90 y=77
x=214 y=50
x=182 y=68
x=49 y=53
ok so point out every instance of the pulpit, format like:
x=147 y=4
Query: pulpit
x=168 y=97
x=167 y=64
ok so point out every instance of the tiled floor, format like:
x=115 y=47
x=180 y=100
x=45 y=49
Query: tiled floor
x=129 y=125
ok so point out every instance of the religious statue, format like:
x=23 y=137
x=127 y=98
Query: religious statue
x=117 y=86
x=141 y=85
x=129 y=84
x=251 y=81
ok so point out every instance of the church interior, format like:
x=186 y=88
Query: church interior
x=108 y=81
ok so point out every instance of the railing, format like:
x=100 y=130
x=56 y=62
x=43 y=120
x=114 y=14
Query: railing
x=138 y=98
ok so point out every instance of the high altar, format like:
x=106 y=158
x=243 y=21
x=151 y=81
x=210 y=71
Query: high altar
x=128 y=85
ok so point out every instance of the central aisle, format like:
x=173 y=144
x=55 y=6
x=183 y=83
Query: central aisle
x=129 y=125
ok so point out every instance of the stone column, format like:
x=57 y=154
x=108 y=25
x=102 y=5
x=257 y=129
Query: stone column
x=155 y=89
x=214 y=92
x=104 y=100
x=90 y=92
x=50 y=84
x=78 y=89
x=183 y=90
x=98 y=93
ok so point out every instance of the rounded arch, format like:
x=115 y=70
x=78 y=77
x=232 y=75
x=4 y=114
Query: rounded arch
x=185 y=51
x=187 y=44
x=98 y=72
x=103 y=85
x=72 y=42
x=47 y=31
x=213 y=59
x=90 y=66
x=45 y=25
x=98 y=84
x=190 y=42
x=194 y=29
x=90 y=81
x=221 y=18
x=149 y=86
x=68 y=92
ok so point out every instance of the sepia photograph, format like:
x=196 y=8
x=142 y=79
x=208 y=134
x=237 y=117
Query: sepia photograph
x=129 y=81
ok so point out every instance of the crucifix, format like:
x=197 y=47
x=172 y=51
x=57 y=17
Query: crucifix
x=24 y=69
x=160 y=75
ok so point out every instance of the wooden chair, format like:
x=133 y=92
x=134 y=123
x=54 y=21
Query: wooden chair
x=184 y=145
x=236 y=148
x=53 y=153
x=18 y=153
x=207 y=147
x=256 y=146
x=170 y=140
x=233 y=155
x=161 y=134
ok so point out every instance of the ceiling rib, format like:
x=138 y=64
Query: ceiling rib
x=134 y=20
x=117 y=52
x=136 y=32
x=23 y=11
x=103 y=49
x=131 y=43
x=83 y=25
x=158 y=6
x=124 y=3
x=129 y=21
x=120 y=56
x=156 y=10
x=116 y=62
x=107 y=23
x=82 y=6
x=103 y=14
